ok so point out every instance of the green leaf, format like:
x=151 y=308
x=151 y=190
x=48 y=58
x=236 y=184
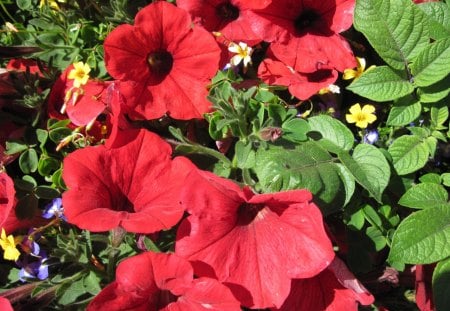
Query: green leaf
x=245 y=155
x=377 y=237
x=372 y=216
x=439 y=18
x=24 y=4
x=46 y=192
x=69 y=292
x=301 y=166
x=295 y=130
x=332 y=130
x=381 y=84
x=397 y=29
x=435 y=92
x=431 y=178
x=404 y=111
x=423 y=237
x=369 y=167
x=409 y=153
x=349 y=182
x=446 y=179
x=28 y=161
x=441 y=285
x=439 y=114
x=91 y=283
x=424 y=195
x=47 y=165
x=58 y=134
x=431 y=65
x=13 y=147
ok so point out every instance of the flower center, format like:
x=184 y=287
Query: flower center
x=160 y=62
x=248 y=212
x=227 y=11
x=306 y=20
x=361 y=117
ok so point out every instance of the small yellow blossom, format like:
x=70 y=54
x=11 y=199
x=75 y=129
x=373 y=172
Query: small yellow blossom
x=51 y=3
x=8 y=243
x=80 y=74
x=354 y=74
x=243 y=53
x=362 y=117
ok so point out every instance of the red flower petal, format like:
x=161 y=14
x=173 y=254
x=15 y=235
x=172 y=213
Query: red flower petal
x=158 y=281
x=7 y=194
x=164 y=61
x=302 y=86
x=334 y=289
x=424 y=293
x=135 y=186
x=5 y=305
x=254 y=243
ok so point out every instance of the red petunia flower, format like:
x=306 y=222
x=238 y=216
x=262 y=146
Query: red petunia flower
x=301 y=85
x=5 y=305
x=7 y=194
x=135 y=186
x=164 y=63
x=334 y=289
x=305 y=33
x=255 y=244
x=229 y=17
x=82 y=105
x=424 y=285
x=163 y=282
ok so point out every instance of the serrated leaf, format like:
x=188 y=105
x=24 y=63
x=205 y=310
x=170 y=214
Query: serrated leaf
x=431 y=65
x=405 y=111
x=424 y=195
x=435 y=92
x=301 y=166
x=423 y=237
x=381 y=84
x=409 y=153
x=369 y=167
x=397 y=29
x=441 y=285
x=333 y=130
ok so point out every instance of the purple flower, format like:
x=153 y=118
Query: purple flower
x=33 y=266
x=370 y=137
x=54 y=209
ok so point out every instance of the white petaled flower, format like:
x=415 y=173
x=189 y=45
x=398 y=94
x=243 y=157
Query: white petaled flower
x=243 y=53
x=333 y=88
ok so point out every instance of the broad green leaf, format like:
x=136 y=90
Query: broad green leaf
x=424 y=195
x=24 y=4
x=397 y=29
x=439 y=18
x=405 y=111
x=28 y=161
x=441 y=285
x=431 y=65
x=356 y=220
x=301 y=166
x=295 y=130
x=431 y=178
x=245 y=155
x=409 y=153
x=381 y=84
x=70 y=292
x=92 y=283
x=439 y=114
x=369 y=167
x=372 y=216
x=333 y=130
x=435 y=92
x=423 y=237
x=432 y=145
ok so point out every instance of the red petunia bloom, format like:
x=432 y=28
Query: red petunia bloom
x=163 y=282
x=7 y=194
x=5 y=305
x=135 y=185
x=301 y=85
x=82 y=105
x=255 y=244
x=305 y=33
x=163 y=62
x=229 y=17
x=334 y=289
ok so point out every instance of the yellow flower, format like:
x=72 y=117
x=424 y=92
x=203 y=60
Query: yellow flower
x=243 y=53
x=51 y=3
x=354 y=74
x=362 y=117
x=8 y=243
x=80 y=74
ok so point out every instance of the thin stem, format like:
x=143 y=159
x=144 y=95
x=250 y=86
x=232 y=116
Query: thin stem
x=6 y=12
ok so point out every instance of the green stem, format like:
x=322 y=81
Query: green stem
x=117 y=236
x=6 y=12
